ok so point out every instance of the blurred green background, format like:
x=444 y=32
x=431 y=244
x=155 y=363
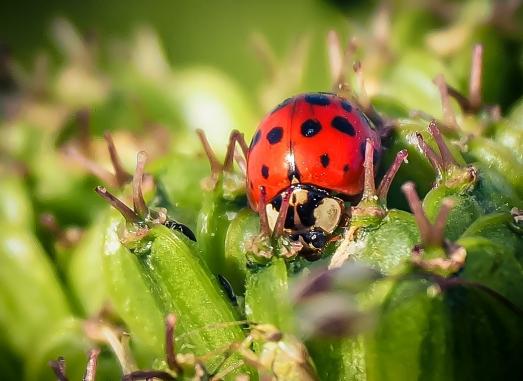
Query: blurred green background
x=151 y=73
x=216 y=33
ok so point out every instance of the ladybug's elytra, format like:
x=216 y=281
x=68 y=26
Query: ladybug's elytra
x=313 y=146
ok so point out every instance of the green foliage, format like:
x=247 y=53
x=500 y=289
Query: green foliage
x=407 y=289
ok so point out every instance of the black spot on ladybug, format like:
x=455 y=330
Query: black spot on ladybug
x=281 y=105
x=317 y=99
x=346 y=105
x=325 y=160
x=255 y=139
x=343 y=125
x=265 y=172
x=310 y=128
x=274 y=135
x=346 y=168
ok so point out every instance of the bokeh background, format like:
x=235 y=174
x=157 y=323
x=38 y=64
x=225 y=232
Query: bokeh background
x=214 y=33
x=151 y=73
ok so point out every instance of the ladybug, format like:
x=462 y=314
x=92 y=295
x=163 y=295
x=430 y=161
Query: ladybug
x=311 y=147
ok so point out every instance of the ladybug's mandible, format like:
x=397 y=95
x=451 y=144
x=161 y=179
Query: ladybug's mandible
x=313 y=146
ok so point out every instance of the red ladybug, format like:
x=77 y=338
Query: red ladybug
x=313 y=146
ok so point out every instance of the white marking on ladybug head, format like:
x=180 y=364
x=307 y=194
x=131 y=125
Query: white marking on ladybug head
x=328 y=214
x=299 y=197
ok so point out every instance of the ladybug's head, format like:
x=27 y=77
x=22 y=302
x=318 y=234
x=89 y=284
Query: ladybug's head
x=312 y=216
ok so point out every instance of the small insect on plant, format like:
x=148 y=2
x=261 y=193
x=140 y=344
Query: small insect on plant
x=309 y=149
